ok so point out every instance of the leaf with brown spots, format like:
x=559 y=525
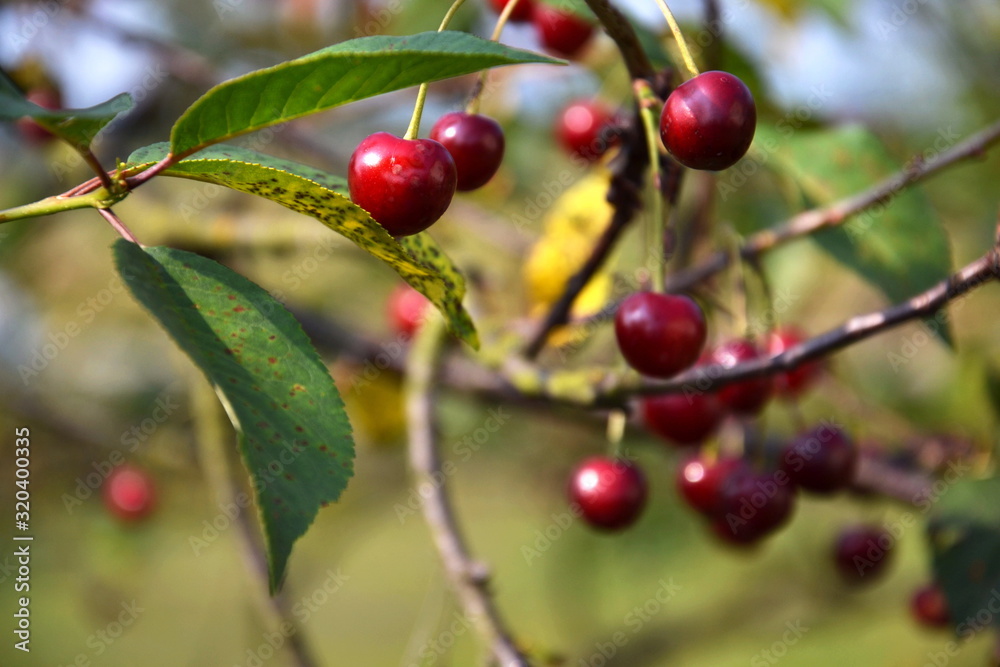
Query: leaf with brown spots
x=313 y=192
x=300 y=454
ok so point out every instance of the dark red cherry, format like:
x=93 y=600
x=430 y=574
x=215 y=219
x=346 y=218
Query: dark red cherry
x=700 y=482
x=129 y=493
x=611 y=493
x=405 y=184
x=406 y=309
x=660 y=334
x=684 y=419
x=929 y=607
x=475 y=142
x=587 y=129
x=794 y=382
x=747 y=397
x=522 y=12
x=563 y=32
x=708 y=122
x=862 y=553
x=822 y=460
x=756 y=504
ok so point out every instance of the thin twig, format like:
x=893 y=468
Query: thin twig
x=624 y=36
x=705 y=378
x=837 y=213
x=469 y=578
x=118 y=225
x=95 y=164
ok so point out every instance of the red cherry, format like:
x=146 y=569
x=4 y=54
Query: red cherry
x=821 y=460
x=562 y=32
x=587 y=129
x=611 y=493
x=406 y=185
x=685 y=419
x=34 y=133
x=708 y=122
x=700 y=482
x=406 y=309
x=930 y=607
x=794 y=382
x=522 y=12
x=659 y=334
x=476 y=144
x=749 y=396
x=862 y=553
x=129 y=493
x=755 y=504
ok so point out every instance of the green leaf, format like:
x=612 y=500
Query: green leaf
x=964 y=536
x=76 y=126
x=417 y=259
x=295 y=439
x=900 y=247
x=342 y=73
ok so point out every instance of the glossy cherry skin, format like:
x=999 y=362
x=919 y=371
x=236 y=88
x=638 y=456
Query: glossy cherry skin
x=660 y=334
x=521 y=14
x=755 y=504
x=406 y=309
x=475 y=142
x=587 y=129
x=562 y=32
x=862 y=553
x=611 y=493
x=749 y=396
x=683 y=419
x=406 y=185
x=708 y=122
x=794 y=382
x=129 y=493
x=821 y=460
x=929 y=607
x=700 y=482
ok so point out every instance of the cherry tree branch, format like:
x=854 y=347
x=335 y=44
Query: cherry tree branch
x=469 y=578
x=704 y=378
x=625 y=38
x=837 y=213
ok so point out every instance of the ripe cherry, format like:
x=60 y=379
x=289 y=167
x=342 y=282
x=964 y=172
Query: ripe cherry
x=659 y=334
x=700 y=482
x=747 y=397
x=755 y=504
x=34 y=133
x=862 y=553
x=522 y=12
x=476 y=144
x=930 y=607
x=794 y=382
x=406 y=309
x=563 y=32
x=822 y=459
x=685 y=419
x=405 y=184
x=708 y=122
x=587 y=129
x=611 y=493
x=129 y=493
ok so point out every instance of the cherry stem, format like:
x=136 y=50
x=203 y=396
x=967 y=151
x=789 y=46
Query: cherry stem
x=648 y=103
x=118 y=225
x=472 y=106
x=418 y=108
x=679 y=38
x=616 y=431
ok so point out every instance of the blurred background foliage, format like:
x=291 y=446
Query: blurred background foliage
x=911 y=72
